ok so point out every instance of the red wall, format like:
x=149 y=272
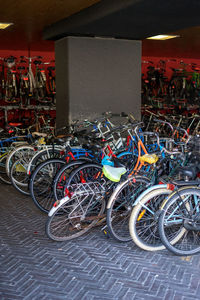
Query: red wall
x=47 y=56
x=17 y=114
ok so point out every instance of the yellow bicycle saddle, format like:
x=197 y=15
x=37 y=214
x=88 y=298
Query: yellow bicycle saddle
x=149 y=158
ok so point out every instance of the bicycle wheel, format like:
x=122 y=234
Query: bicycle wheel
x=180 y=221
x=120 y=206
x=168 y=166
x=77 y=214
x=42 y=156
x=19 y=177
x=10 y=89
x=41 y=183
x=18 y=154
x=3 y=175
x=18 y=172
x=62 y=176
x=86 y=173
x=143 y=223
x=128 y=159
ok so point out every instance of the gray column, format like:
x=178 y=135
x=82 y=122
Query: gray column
x=94 y=75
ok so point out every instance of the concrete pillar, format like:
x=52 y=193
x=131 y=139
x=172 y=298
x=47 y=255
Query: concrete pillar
x=94 y=75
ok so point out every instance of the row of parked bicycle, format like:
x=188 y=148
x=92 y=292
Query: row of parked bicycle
x=132 y=183
x=170 y=82
x=27 y=80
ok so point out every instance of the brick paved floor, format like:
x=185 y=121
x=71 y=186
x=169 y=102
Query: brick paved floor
x=90 y=267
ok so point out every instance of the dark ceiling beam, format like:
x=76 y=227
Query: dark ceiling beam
x=130 y=19
x=102 y=9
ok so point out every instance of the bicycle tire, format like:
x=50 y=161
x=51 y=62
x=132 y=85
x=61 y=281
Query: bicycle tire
x=62 y=176
x=41 y=183
x=3 y=175
x=42 y=156
x=84 y=173
x=22 y=182
x=18 y=173
x=143 y=223
x=128 y=159
x=75 y=216
x=119 y=207
x=183 y=210
x=15 y=154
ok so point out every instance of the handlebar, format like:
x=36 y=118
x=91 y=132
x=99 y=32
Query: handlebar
x=164 y=122
x=185 y=133
x=162 y=148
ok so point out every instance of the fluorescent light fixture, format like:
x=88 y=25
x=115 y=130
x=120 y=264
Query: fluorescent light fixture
x=163 y=37
x=5 y=25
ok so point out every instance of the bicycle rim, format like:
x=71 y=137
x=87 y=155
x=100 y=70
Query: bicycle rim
x=179 y=222
x=121 y=205
x=75 y=217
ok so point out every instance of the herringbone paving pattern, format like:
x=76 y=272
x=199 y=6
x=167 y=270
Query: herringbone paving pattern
x=90 y=267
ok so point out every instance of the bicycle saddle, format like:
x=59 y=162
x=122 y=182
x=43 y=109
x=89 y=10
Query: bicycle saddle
x=35 y=133
x=15 y=124
x=149 y=158
x=112 y=173
x=59 y=141
x=51 y=68
x=37 y=62
x=190 y=171
x=10 y=59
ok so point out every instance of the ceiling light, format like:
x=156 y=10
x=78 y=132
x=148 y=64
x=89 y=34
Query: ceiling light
x=5 y=25
x=163 y=37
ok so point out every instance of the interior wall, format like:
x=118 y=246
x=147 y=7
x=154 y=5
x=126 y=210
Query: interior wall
x=46 y=55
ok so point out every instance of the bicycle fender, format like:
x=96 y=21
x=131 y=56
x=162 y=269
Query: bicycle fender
x=177 y=191
x=115 y=192
x=124 y=153
x=150 y=189
x=54 y=208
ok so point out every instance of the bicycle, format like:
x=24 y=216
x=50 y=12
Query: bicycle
x=179 y=221
x=11 y=93
x=80 y=208
x=143 y=223
x=124 y=198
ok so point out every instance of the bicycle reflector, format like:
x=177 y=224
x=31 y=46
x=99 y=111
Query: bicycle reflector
x=141 y=215
x=170 y=186
x=56 y=203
